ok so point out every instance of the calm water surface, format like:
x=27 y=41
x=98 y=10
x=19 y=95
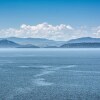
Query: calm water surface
x=49 y=74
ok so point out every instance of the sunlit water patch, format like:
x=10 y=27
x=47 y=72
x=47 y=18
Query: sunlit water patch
x=41 y=82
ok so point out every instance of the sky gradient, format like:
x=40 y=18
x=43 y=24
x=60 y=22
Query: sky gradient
x=76 y=13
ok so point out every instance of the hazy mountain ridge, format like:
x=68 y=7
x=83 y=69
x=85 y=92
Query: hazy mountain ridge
x=5 y=43
x=81 y=45
x=84 y=42
x=40 y=42
x=10 y=44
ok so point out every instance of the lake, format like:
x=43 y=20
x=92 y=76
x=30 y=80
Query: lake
x=49 y=74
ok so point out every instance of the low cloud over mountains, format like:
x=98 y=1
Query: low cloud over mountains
x=53 y=32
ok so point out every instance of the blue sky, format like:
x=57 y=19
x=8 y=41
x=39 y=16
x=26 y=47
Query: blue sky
x=74 y=12
x=52 y=19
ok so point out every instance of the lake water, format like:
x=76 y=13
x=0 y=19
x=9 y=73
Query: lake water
x=49 y=74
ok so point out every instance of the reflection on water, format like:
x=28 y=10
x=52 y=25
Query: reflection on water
x=49 y=74
x=41 y=82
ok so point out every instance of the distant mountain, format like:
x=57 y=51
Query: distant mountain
x=40 y=42
x=27 y=46
x=51 y=47
x=85 y=40
x=8 y=44
x=13 y=42
x=81 y=45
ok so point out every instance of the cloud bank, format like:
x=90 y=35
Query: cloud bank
x=48 y=31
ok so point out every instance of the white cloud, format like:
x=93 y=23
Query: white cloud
x=45 y=30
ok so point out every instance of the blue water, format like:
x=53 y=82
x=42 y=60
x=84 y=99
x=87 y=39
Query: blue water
x=49 y=74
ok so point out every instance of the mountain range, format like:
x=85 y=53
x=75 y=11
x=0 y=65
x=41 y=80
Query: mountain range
x=14 y=42
x=84 y=40
x=10 y=44
x=40 y=42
